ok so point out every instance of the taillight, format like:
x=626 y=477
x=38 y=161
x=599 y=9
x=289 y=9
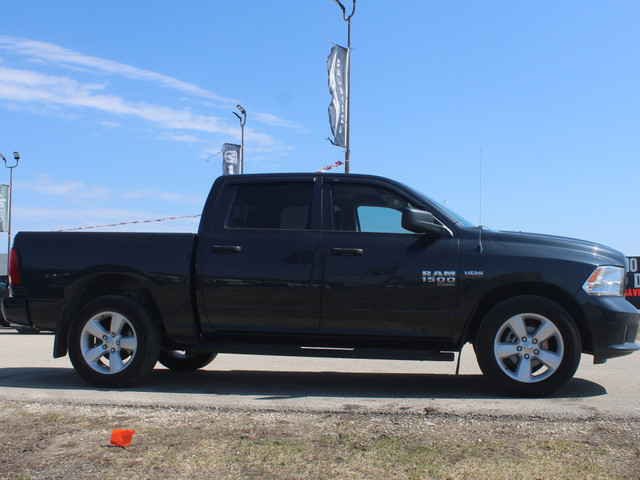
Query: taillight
x=14 y=268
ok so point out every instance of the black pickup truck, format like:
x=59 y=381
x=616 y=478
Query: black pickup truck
x=323 y=265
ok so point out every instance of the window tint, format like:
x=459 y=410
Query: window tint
x=366 y=208
x=380 y=219
x=281 y=206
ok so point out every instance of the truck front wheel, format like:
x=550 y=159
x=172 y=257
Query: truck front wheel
x=528 y=346
x=185 y=360
x=113 y=342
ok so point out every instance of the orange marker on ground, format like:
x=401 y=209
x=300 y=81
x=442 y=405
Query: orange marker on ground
x=122 y=438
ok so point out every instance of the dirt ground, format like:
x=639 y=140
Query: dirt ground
x=66 y=441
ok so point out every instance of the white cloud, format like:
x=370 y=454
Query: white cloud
x=28 y=86
x=163 y=196
x=182 y=138
x=108 y=123
x=67 y=96
x=75 y=191
x=52 y=218
x=60 y=56
x=67 y=188
x=278 y=122
x=77 y=215
x=101 y=219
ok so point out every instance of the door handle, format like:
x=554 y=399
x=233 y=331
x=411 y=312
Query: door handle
x=226 y=249
x=347 y=252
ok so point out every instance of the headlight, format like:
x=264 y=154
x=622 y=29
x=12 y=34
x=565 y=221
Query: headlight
x=605 y=281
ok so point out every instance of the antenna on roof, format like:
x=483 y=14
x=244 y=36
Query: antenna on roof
x=480 y=248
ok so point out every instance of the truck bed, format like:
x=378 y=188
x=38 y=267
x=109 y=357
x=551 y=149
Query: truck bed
x=58 y=266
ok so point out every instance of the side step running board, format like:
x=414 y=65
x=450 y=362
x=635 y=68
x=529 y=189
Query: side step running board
x=297 y=351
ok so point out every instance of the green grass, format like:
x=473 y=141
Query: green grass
x=63 y=443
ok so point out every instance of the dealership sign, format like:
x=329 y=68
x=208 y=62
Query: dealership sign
x=632 y=289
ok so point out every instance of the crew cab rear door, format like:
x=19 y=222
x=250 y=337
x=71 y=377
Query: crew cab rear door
x=260 y=257
x=380 y=279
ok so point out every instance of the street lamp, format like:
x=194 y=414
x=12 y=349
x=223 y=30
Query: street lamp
x=243 y=120
x=347 y=152
x=16 y=157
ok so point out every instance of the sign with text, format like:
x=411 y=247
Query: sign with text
x=632 y=289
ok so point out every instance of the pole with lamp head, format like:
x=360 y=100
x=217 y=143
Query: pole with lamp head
x=347 y=152
x=16 y=157
x=243 y=120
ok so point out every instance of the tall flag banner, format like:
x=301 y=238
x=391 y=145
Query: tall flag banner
x=230 y=159
x=337 y=68
x=4 y=208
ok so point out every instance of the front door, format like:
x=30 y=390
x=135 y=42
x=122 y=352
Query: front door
x=379 y=279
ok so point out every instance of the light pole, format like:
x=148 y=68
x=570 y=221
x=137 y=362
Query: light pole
x=347 y=153
x=16 y=157
x=243 y=120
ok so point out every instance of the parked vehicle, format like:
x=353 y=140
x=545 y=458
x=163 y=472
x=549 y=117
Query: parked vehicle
x=324 y=265
x=4 y=288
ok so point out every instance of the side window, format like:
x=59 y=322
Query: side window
x=366 y=208
x=279 y=206
x=380 y=219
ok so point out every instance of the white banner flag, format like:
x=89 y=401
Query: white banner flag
x=230 y=159
x=4 y=208
x=337 y=69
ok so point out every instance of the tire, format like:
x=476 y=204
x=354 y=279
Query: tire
x=528 y=346
x=185 y=360
x=113 y=342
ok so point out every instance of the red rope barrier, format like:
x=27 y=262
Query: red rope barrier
x=129 y=223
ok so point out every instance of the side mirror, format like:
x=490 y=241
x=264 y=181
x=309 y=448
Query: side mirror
x=419 y=221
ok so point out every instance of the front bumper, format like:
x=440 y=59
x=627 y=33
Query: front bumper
x=613 y=324
x=602 y=354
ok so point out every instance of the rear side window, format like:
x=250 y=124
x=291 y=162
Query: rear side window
x=279 y=206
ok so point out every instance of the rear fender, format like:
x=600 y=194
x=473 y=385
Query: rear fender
x=89 y=288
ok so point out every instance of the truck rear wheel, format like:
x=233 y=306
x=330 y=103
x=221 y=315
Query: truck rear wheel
x=113 y=342
x=185 y=360
x=528 y=346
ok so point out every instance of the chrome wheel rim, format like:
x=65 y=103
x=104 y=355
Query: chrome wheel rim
x=108 y=342
x=528 y=347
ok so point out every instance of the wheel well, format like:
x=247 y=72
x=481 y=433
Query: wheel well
x=92 y=288
x=550 y=292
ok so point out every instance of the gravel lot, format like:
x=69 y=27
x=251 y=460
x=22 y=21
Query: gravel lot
x=66 y=441
x=265 y=417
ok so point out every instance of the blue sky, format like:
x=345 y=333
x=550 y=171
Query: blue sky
x=116 y=107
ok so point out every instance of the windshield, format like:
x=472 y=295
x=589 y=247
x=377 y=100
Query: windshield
x=458 y=217
x=454 y=215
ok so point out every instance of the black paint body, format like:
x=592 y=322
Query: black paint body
x=267 y=290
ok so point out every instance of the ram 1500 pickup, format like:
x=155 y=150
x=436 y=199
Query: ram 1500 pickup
x=323 y=265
